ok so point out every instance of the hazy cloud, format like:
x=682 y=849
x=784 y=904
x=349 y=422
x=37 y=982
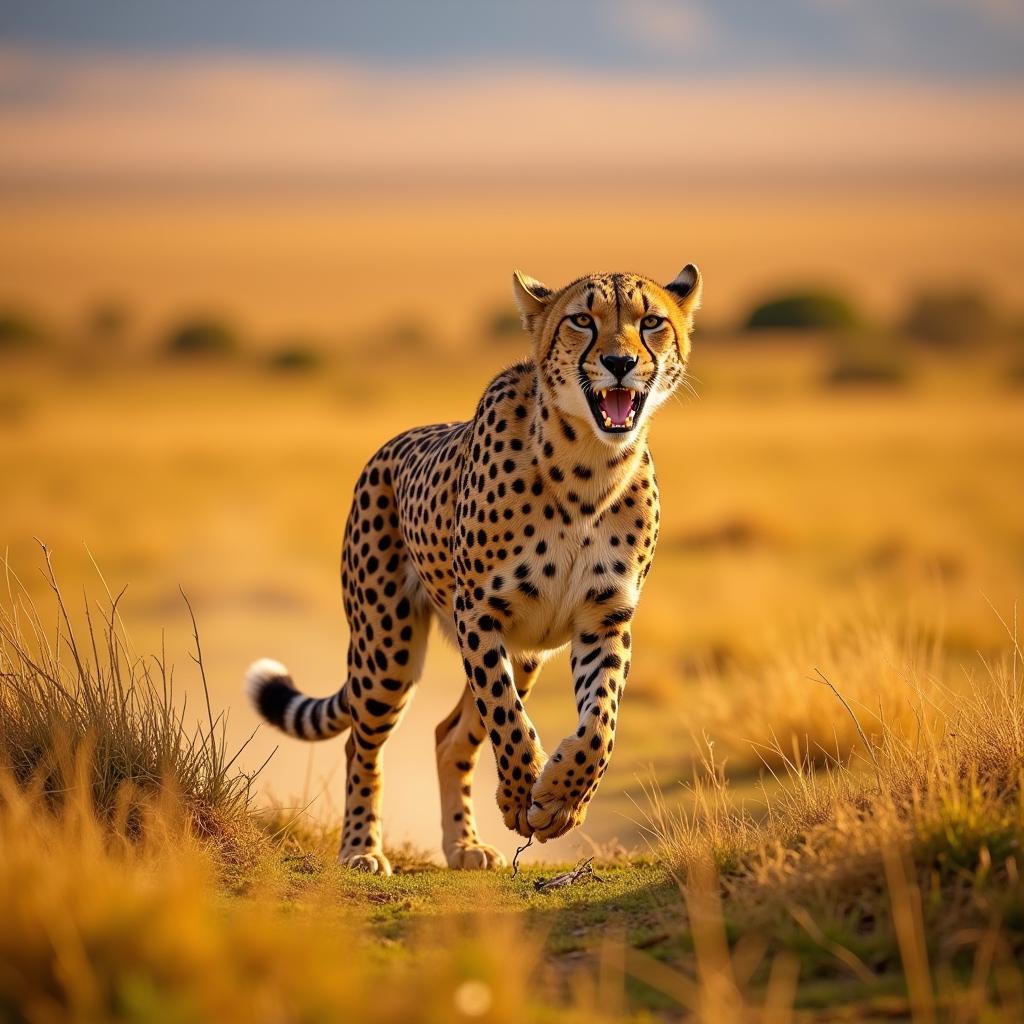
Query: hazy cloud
x=939 y=38
x=175 y=116
x=663 y=26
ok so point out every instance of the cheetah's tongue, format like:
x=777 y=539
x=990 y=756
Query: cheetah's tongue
x=617 y=404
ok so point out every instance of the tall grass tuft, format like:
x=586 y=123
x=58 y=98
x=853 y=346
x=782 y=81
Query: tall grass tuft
x=900 y=861
x=73 y=695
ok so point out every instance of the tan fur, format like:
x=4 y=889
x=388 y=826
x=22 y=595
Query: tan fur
x=525 y=529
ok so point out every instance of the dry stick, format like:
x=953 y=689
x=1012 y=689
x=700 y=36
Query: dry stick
x=584 y=871
x=198 y=657
x=822 y=678
x=515 y=859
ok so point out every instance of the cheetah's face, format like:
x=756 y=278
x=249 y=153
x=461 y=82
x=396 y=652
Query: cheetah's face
x=611 y=347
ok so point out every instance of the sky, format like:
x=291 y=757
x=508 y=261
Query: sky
x=207 y=88
x=944 y=38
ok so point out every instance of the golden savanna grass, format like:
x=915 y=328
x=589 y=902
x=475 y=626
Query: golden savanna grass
x=889 y=880
x=824 y=698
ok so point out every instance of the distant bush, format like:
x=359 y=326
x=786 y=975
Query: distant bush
x=1015 y=367
x=202 y=337
x=295 y=357
x=18 y=332
x=409 y=334
x=948 y=318
x=803 y=311
x=869 y=360
x=107 y=320
x=504 y=323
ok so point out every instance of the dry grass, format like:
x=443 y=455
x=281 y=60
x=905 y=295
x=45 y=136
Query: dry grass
x=822 y=861
x=886 y=879
x=99 y=927
x=782 y=509
x=902 y=859
x=123 y=829
x=79 y=707
x=785 y=710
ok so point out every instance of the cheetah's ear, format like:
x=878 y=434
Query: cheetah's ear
x=531 y=297
x=686 y=288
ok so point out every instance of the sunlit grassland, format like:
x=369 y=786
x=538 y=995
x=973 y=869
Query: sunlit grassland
x=817 y=770
x=804 y=528
x=137 y=880
x=341 y=264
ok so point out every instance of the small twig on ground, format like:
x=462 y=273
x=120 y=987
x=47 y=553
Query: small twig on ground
x=515 y=859
x=583 y=872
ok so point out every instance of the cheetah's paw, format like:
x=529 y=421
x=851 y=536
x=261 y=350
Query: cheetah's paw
x=515 y=818
x=475 y=857
x=371 y=861
x=554 y=817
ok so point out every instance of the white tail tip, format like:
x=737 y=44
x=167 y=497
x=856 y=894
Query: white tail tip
x=262 y=672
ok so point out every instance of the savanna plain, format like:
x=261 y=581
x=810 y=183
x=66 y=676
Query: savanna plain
x=815 y=807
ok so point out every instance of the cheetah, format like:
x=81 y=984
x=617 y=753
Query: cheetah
x=527 y=529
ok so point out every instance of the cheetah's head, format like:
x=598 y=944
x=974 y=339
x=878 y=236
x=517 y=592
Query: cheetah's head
x=610 y=348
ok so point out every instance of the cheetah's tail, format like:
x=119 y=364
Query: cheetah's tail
x=275 y=697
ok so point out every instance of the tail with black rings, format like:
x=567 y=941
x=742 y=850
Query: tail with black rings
x=273 y=694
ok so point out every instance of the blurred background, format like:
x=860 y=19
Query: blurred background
x=244 y=243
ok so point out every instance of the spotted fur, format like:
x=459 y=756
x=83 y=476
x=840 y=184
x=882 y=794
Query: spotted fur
x=529 y=528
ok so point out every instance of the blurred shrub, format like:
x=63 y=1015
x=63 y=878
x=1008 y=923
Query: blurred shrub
x=107 y=320
x=504 y=323
x=295 y=357
x=949 y=317
x=14 y=408
x=868 y=359
x=19 y=333
x=1015 y=369
x=409 y=334
x=802 y=311
x=202 y=337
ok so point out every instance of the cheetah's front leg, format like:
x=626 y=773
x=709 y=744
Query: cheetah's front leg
x=600 y=665
x=517 y=749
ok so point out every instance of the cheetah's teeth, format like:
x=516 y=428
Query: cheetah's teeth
x=617 y=407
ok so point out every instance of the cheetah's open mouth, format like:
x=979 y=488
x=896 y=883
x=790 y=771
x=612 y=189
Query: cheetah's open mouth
x=616 y=409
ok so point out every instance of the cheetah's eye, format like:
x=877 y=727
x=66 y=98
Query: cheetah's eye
x=652 y=321
x=582 y=319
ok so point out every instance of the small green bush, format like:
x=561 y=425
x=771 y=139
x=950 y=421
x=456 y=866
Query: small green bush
x=1015 y=366
x=202 y=337
x=868 y=360
x=410 y=334
x=504 y=323
x=295 y=357
x=950 y=317
x=107 y=320
x=803 y=311
x=18 y=332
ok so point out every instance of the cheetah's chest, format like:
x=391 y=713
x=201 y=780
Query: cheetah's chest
x=539 y=594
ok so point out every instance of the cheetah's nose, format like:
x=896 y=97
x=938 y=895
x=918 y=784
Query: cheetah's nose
x=619 y=366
